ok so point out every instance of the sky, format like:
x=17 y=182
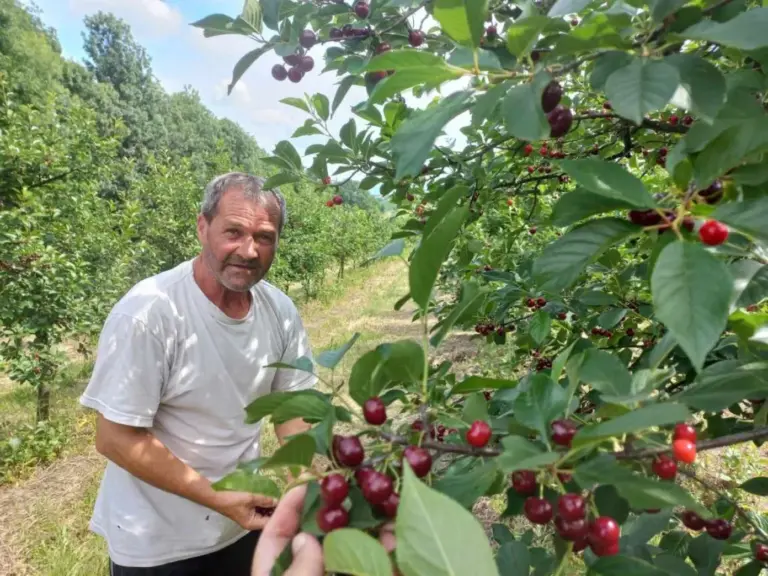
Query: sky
x=181 y=56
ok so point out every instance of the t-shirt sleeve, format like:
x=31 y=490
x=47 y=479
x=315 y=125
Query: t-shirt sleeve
x=129 y=372
x=297 y=346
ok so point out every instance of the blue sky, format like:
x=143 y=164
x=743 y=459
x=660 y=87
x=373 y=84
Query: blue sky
x=182 y=56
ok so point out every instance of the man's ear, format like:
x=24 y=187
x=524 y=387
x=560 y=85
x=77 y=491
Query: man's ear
x=202 y=227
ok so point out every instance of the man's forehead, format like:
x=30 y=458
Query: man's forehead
x=236 y=204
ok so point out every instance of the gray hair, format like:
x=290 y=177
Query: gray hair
x=252 y=187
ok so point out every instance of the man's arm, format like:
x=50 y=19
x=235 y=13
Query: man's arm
x=290 y=428
x=140 y=453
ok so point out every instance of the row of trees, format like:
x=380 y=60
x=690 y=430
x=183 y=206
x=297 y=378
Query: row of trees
x=101 y=177
x=605 y=222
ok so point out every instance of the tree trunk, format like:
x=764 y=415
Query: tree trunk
x=43 y=403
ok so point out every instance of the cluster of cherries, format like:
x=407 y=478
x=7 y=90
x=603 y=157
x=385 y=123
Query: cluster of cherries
x=536 y=303
x=597 y=331
x=485 y=328
x=300 y=63
x=335 y=201
x=543 y=364
x=560 y=117
x=711 y=233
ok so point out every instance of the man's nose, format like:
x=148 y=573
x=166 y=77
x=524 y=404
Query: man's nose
x=250 y=250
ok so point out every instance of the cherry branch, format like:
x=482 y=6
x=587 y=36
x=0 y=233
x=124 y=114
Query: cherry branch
x=405 y=16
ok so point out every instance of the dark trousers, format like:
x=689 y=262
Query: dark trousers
x=234 y=560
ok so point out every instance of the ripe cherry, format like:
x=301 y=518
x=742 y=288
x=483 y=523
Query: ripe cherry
x=541 y=302
x=761 y=552
x=362 y=9
x=562 y=316
x=306 y=63
x=684 y=432
x=377 y=488
x=563 y=432
x=383 y=47
x=532 y=230
x=687 y=120
x=630 y=332
x=361 y=474
x=564 y=477
x=279 y=72
x=331 y=518
x=560 y=120
x=491 y=31
x=295 y=74
x=531 y=169
x=713 y=233
x=374 y=411
x=664 y=467
x=415 y=38
x=551 y=96
x=389 y=506
x=603 y=531
x=307 y=38
x=543 y=150
x=348 y=451
x=524 y=482
x=571 y=507
x=327 y=180
x=684 y=450
x=419 y=459
x=607 y=106
x=719 y=529
x=527 y=149
x=608 y=550
x=693 y=521
x=336 y=33
x=537 y=510
x=338 y=200
x=334 y=490
x=580 y=545
x=479 y=434
x=674 y=119
x=329 y=203
x=644 y=217
x=572 y=530
x=292 y=59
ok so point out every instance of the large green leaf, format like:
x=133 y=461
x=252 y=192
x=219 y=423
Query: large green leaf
x=540 y=404
x=703 y=82
x=285 y=150
x=330 y=358
x=405 y=58
x=746 y=31
x=641 y=87
x=467 y=486
x=431 y=253
x=298 y=451
x=724 y=383
x=605 y=372
x=562 y=261
x=748 y=217
x=610 y=180
x=280 y=179
x=245 y=481
x=462 y=20
x=309 y=407
x=268 y=403
x=691 y=293
x=582 y=203
x=244 y=63
x=540 y=326
x=566 y=7
x=596 y=30
x=351 y=551
x=476 y=383
x=410 y=77
x=758 y=486
x=513 y=559
x=523 y=33
x=436 y=535
x=640 y=419
x=522 y=454
x=415 y=138
x=522 y=112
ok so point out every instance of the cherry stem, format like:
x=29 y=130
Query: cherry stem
x=564 y=559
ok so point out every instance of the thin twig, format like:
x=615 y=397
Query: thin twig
x=404 y=17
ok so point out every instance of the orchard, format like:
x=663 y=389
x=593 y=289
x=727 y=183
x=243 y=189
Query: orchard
x=604 y=222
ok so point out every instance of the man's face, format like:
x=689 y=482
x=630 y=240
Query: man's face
x=239 y=243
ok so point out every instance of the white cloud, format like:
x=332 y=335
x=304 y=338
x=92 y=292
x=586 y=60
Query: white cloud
x=147 y=18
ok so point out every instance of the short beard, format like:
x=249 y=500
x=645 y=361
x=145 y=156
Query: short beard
x=211 y=263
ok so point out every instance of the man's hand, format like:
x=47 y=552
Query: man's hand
x=248 y=510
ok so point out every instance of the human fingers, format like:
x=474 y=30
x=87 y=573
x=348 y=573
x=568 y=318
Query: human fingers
x=387 y=537
x=280 y=529
x=307 y=557
x=262 y=501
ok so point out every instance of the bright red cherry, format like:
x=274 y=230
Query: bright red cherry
x=279 y=72
x=338 y=200
x=713 y=233
x=563 y=432
x=543 y=150
x=693 y=521
x=761 y=552
x=334 y=490
x=479 y=434
x=603 y=531
x=541 y=302
x=374 y=411
x=674 y=119
x=608 y=550
x=361 y=474
x=572 y=530
x=719 y=529
x=580 y=545
x=362 y=9
x=329 y=203
x=389 y=507
x=564 y=477
x=415 y=38
x=327 y=180
x=491 y=31
x=531 y=169
x=383 y=47
x=665 y=467
x=684 y=432
x=419 y=459
x=332 y=518
x=537 y=510
x=524 y=482
x=527 y=149
x=377 y=488
x=687 y=120
x=684 y=450
x=571 y=507
x=348 y=451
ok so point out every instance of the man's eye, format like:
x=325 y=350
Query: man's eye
x=233 y=232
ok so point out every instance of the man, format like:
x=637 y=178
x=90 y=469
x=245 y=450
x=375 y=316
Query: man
x=180 y=357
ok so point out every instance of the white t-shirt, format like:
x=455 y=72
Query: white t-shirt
x=170 y=360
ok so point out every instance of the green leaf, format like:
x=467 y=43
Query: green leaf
x=466 y=487
x=244 y=481
x=605 y=373
x=447 y=203
x=720 y=385
x=522 y=454
x=641 y=87
x=475 y=408
x=463 y=57
x=268 y=403
x=566 y=7
x=280 y=179
x=748 y=217
x=346 y=83
x=303 y=364
x=330 y=358
x=404 y=59
x=753 y=568
x=415 y=138
x=462 y=20
x=297 y=451
x=320 y=102
x=485 y=104
x=626 y=566
x=410 y=77
x=244 y=63
x=660 y=9
x=522 y=112
x=581 y=203
x=540 y=404
x=597 y=30
x=611 y=317
x=605 y=65
x=562 y=261
x=691 y=291
x=646 y=526
x=610 y=180
x=758 y=486
x=436 y=535
x=299 y=103
x=523 y=33
x=351 y=551
x=513 y=559
x=476 y=383
x=610 y=503
x=660 y=414
x=431 y=253
x=705 y=552
x=540 y=326
x=703 y=82
x=472 y=296
x=271 y=13
x=287 y=152
x=745 y=32
x=309 y=407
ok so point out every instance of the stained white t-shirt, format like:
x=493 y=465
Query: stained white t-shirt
x=170 y=360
